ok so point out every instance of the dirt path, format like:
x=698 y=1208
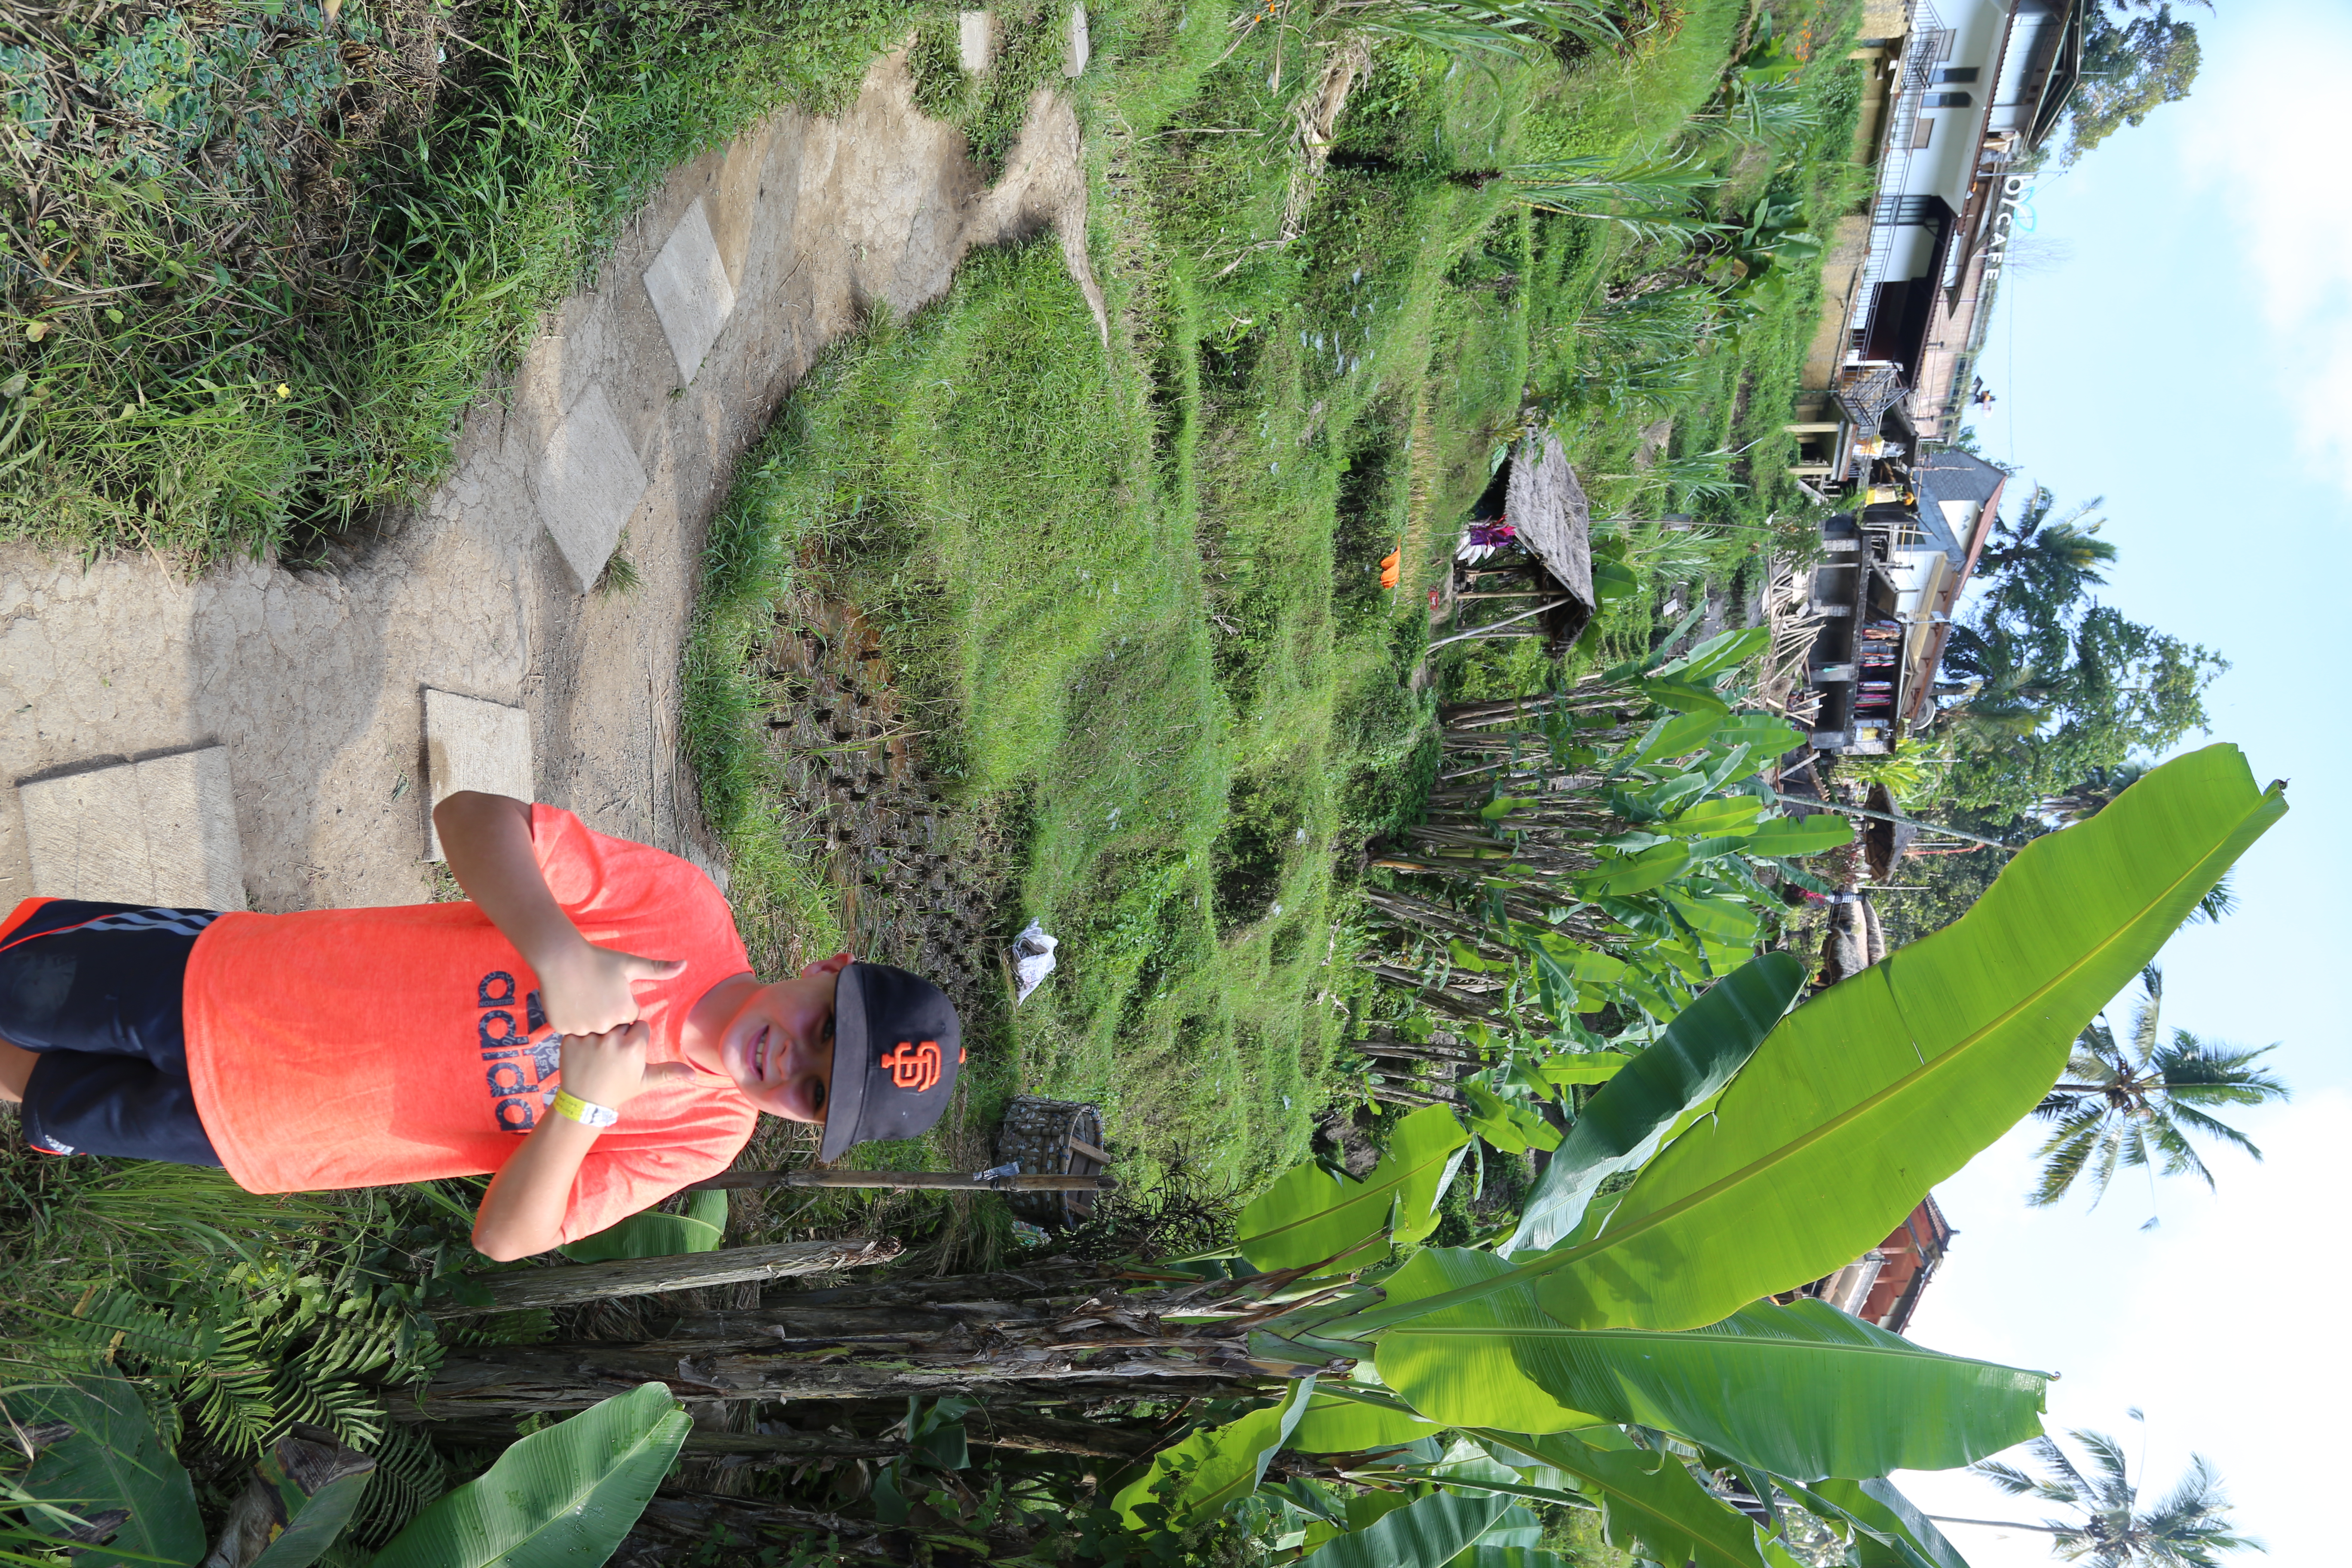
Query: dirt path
x=314 y=681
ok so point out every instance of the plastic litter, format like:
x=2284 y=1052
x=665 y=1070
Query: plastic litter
x=1032 y=955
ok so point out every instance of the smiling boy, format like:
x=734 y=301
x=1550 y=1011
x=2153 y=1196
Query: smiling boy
x=526 y=1033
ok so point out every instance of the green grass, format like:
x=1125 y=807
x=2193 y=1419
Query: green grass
x=209 y=345
x=1134 y=588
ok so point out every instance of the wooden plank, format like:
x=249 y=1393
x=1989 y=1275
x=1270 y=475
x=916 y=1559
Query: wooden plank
x=572 y=1282
x=906 y=1182
x=1080 y=1145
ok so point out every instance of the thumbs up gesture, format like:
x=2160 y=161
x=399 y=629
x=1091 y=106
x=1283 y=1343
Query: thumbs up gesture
x=589 y=990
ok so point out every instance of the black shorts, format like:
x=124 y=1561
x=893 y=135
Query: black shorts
x=95 y=989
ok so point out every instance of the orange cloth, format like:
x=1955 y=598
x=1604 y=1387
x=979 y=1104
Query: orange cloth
x=363 y=1047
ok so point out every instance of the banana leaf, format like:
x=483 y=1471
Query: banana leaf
x=1512 y=1128
x=1678 y=736
x=1563 y=1069
x=1311 y=1215
x=566 y=1495
x=1428 y=1532
x=1332 y=1424
x=308 y=1486
x=1762 y=734
x=1518 y=1530
x=1636 y=873
x=1719 y=653
x=99 y=1472
x=1891 y=1532
x=654 y=1233
x=1649 y=1502
x=1485 y=1556
x=1803 y=1391
x=1465 y=1359
x=1732 y=815
x=1689 y=697
x=1784 y=838
x=1218 y=1466
x=1887 y=1083
x=1626 y=1121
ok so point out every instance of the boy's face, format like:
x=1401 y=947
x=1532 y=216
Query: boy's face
x=779 y=1045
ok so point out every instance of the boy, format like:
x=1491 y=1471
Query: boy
x=518 y=1034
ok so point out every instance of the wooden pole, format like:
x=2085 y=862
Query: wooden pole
x=908 y=1181
x=572 y=1282
x=1887 y=817
x=1480 y=631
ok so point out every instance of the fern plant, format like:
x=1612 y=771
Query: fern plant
x=252 y=1349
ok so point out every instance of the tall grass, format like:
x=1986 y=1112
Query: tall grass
x=208 y=360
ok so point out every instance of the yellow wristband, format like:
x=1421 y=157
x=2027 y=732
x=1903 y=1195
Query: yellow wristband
x=570 y=1104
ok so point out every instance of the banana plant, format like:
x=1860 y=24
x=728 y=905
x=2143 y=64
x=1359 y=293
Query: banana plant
x=1599 y=862
x=657 y=1234
x=1625 y=1352
x=567 y=1494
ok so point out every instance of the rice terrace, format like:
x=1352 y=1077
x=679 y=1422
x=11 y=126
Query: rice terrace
x=1178 y=782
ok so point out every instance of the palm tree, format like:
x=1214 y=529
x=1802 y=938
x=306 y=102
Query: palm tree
x=2126 y=1105
x=2187 y=1530
x=2039 y=563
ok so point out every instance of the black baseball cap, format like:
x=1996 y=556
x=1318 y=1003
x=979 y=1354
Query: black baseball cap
x=897 y=1044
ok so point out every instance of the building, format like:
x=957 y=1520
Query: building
x=1959 y=92
x=1884 y=597
x=1884 y=1285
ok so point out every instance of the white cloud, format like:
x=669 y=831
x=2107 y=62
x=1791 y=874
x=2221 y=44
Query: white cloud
x=2221 y=1324
x=2265 y=130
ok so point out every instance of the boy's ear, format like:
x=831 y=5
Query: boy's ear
x=834 y=965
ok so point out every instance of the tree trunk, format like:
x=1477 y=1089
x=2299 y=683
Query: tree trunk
x=1091 y=1344
x=566 y=1284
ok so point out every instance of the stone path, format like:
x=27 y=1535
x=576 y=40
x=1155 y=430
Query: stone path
x=627 y=414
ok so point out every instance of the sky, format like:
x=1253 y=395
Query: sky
x=2178 y=339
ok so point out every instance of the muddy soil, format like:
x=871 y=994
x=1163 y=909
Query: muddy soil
x=924 y=884
x=313 y=679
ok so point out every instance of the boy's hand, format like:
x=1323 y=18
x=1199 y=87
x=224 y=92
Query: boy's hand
x=589 y=990
x=607 y=1069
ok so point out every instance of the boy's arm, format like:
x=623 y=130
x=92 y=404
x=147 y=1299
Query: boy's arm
x=586 y=990
x=523 y=1211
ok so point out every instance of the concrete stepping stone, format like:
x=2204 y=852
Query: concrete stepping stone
x=588 y=482
x=160 y=832
x=976 y=39
x=473 y=744
x=690 y=292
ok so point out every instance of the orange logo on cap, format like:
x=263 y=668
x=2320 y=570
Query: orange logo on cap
x=913 y=1067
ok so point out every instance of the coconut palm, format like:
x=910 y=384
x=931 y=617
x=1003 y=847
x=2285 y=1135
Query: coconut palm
x=2040 y=563
x=2135 y=1103
x=2189 y=1527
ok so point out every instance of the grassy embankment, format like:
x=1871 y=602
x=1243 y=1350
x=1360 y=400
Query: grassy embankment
x=254 y=263
x=1136 y=586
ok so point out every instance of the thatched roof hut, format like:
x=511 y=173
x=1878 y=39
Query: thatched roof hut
x=1546 y=554
x=1552 y=518
x=1883 y=844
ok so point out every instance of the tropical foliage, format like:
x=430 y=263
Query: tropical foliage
x=568 y=1493
x=2137 y=1102
x=2188 y=1527
x=2136 y=56
x=1629 y=1365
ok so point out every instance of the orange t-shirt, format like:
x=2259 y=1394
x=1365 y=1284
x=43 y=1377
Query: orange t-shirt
x=363 y=1047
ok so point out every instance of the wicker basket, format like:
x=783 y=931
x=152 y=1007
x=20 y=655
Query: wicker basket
x=1037 y=1133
